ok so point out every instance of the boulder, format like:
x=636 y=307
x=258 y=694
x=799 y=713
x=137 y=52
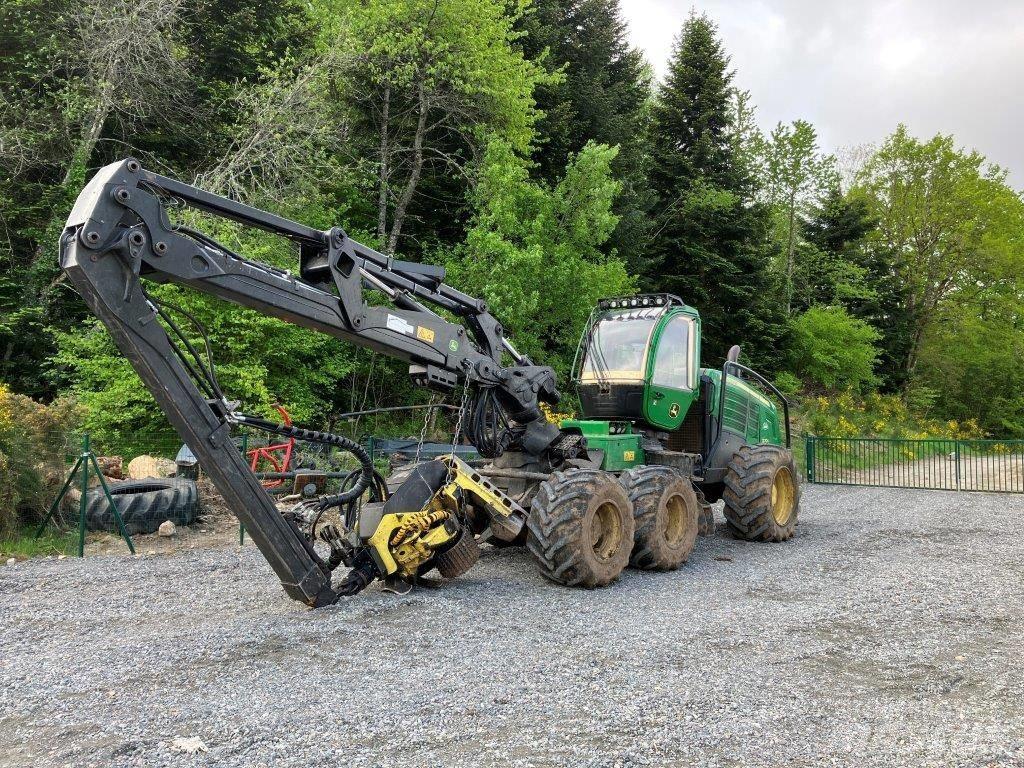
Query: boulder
x=144 y=466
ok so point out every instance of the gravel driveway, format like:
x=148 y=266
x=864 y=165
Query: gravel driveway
x=889 y=631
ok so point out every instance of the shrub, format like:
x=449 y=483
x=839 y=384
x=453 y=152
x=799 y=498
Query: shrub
x=832 y=350
x=33 y=448
x=788 y=384
x=877 y=415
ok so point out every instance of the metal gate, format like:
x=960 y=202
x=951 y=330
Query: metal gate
x=951 y=465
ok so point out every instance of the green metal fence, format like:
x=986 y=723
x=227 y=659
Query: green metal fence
x=952 y=465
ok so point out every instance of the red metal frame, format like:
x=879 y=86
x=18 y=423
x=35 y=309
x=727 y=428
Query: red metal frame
x=278 y=455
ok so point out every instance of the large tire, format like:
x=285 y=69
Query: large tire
x=762 y=493
x=143 y=505
x=665 y=511
x=580 y=529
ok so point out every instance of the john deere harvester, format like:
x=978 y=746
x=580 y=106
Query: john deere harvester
x=628 y=483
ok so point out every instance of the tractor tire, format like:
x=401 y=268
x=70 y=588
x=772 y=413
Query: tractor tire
x=665 y=513
x=580 y=529
x=143 y=505
x=762 y=494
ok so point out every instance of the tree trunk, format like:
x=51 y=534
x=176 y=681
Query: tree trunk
x=382 y=199
x=414 y=174
x=790 y=247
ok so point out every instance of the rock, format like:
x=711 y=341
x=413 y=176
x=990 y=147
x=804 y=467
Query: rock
x=144 y=466
x=189 y=746
x=111 y=466
x=11 y=561
x=166 y=528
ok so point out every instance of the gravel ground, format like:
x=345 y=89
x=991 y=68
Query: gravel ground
x=887 y=632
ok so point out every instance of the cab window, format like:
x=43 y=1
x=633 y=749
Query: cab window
x=618 y=348
x=672 y=362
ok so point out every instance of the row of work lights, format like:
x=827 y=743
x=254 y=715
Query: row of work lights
x=650 y=300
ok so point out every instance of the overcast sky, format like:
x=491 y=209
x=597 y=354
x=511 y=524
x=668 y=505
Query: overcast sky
x=856 y=69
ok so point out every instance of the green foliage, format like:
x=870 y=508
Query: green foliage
x=521 y=146
x=832 y=351
x=602 y=97
x=710 y=245
x=534 y=251
x=877 y=415
x=948 y=226
x=794 y=175
x=788 y=384
x=22 y=543
x=830 y=266
x=33 y=448
x=970 y=360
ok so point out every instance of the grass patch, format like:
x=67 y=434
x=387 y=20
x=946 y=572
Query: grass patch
x=24 y=545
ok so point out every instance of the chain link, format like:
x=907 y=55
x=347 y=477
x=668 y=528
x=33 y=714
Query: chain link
x=423 y=430
x=458 y=429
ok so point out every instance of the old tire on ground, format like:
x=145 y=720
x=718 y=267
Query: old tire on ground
x=665 y=511
x=143 y=505
x=581 y=528
x=762 y=493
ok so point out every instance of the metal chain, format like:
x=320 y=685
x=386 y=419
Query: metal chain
x=423 y=430
x=458 y=429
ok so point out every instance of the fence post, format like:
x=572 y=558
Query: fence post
x=956 y=450
x=809 y=457
x=84 y=499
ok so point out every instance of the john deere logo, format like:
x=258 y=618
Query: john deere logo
x=673 y=410
x=453 y=345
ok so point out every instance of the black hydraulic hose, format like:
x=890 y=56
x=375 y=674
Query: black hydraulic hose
x=488 y=428
x=348 y=445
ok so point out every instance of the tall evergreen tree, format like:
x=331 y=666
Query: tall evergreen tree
x=710 y=243
x=603 y=97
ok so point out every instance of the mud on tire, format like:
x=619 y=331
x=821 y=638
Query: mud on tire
x=580 y=529
x=762 y=493
x=665 y=511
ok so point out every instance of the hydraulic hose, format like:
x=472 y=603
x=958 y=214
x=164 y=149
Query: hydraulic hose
x=363 y=481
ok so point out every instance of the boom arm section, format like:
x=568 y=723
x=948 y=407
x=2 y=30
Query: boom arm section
x=119 y=232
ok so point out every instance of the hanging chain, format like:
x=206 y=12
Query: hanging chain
x=423 y=430
x=458 y=429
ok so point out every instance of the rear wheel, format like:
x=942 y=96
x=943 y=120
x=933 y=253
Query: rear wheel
x=581 y=528
x=762 y=495
x=665 y=511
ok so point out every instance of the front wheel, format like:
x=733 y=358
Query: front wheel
x=580 y=529
x=762 y=494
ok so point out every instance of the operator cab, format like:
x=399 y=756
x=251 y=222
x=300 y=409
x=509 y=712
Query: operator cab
x=637 y=361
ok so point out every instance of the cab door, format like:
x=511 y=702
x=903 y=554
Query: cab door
x=671 y=376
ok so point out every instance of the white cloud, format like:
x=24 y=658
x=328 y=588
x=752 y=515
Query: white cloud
x=856 y=69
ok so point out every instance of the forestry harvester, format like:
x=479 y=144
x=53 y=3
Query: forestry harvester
x=628 y=483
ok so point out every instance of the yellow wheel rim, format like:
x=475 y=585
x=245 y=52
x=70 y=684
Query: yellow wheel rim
x=675 y=520
x=783 y=496
x=606 y=530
